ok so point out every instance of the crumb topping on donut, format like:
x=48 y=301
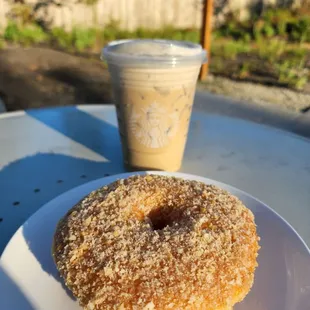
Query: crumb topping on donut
x=155 y=242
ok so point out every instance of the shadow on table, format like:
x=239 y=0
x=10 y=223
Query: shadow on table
x=11 y=297
x=39 y=241
x=81 y=127
x=32 y=181
x=36 y=180
x=29 y=183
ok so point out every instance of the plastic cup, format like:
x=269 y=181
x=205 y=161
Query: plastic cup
x=153 y=83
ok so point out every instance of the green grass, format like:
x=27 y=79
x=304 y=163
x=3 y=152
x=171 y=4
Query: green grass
x=282 y=23
x=26 y=35
x=229 y=49
x=82 y=39
x=113 y=32
x=2 y=43
x=285 y=62
x=276 y=39
x=272 y=50
x=293 y=73
x=79 y=39
x=244 y=70
x=62 y=38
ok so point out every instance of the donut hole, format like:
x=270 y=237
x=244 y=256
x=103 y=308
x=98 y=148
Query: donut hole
x=165 y=216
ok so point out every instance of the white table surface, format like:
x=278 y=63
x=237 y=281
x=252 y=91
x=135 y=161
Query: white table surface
x=44 y=153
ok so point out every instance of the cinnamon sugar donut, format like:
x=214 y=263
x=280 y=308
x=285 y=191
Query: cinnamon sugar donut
x=155 y=243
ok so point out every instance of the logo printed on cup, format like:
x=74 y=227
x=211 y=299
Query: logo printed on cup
x=153 y=126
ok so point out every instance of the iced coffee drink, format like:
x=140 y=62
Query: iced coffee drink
x=154 y=84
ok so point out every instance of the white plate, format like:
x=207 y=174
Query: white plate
x=29 y=280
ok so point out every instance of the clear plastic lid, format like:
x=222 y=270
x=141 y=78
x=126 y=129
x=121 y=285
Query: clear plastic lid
x=153 y=52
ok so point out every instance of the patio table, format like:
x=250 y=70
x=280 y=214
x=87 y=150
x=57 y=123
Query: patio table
x=46 y=152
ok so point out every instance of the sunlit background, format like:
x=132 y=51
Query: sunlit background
x=259 y=42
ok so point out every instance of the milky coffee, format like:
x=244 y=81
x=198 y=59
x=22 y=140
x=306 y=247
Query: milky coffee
x=154 y=84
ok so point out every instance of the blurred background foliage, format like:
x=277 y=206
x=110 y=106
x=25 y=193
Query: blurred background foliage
x=274 y=44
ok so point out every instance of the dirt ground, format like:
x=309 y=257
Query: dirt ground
x=41 y=77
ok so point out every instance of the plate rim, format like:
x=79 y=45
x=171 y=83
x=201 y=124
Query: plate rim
x=115 y=177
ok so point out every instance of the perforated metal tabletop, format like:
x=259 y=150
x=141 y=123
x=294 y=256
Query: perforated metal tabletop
x=46 y=152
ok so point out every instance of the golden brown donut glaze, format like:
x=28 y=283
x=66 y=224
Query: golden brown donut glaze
x=155 y=243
